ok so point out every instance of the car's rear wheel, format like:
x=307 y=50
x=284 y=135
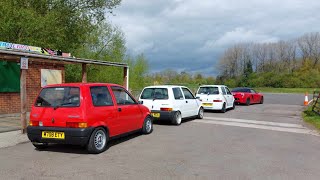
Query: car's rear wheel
x=147 y=125
x=200 y=113
x=224 y=108
x=177 y=119
x=248 y=102
x=40 y=145
x=261 y=100
x=98 y=141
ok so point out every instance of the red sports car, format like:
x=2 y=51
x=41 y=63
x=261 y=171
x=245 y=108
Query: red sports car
x=244 y=95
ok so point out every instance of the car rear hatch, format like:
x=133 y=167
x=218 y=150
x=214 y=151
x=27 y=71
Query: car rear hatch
x=58 y=107
x=208 y=94
x=155 y=98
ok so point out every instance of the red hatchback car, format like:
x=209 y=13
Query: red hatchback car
x=87 y=114
x=244 y=95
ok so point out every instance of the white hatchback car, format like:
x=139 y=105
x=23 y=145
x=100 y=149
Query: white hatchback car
x=216 y=97
x=169 y=102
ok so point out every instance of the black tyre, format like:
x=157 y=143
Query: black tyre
x=147 y=125
x=200 y=113
x=261 y=100
x=98 y=141
x=40 y=145
x=233 y=106
x=248 y=102
x=224 y=108
x=177 y=119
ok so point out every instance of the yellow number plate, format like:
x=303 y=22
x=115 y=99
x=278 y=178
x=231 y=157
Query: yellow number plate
x=156 y=115
x=52 y=135
x=206 y=104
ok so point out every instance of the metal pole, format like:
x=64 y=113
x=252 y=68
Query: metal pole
x=23 y=99
x=84 y=73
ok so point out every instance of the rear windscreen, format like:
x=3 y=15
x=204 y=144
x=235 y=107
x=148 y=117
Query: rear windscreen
x=208 y=90
x=154 y=93
x=59 y=97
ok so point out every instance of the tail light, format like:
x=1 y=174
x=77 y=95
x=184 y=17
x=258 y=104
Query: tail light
x=33 y=123
x=217 y=100
x=76 y=124
x=165 y=109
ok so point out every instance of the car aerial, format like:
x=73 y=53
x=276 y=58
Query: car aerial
x=87 y=114
x=245 y=95
x=171 y=103
x=215 y=97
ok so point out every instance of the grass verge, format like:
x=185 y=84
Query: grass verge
x=285 y=90
x=311 y=117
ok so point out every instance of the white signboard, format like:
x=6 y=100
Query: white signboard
x=24 y=63
x=50 y=76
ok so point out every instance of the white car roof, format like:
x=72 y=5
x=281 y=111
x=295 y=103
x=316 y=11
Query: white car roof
x=213 y=86
x=163 y=86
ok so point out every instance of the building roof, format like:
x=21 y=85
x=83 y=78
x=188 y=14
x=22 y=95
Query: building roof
x=65 y=60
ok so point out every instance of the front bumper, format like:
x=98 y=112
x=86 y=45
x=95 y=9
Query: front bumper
x=75 y=136
x=164 y=115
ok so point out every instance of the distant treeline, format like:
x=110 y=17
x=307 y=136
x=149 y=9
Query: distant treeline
x=293 y=63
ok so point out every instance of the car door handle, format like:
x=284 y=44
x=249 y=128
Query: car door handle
x=119 y=109
x=186 y=101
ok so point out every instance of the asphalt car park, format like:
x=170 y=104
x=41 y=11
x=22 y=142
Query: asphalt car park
x=262 y=141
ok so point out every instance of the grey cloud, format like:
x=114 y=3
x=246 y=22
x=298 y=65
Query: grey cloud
x=191 y=35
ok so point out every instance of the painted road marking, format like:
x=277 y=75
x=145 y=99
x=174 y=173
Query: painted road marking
x=273 y=126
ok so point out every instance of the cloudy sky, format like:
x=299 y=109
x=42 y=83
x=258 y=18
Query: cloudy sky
x=191 y=35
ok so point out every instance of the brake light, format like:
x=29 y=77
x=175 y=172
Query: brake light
x=76 y=124
x=217 y=100
x=165 y=109
x=33 y=123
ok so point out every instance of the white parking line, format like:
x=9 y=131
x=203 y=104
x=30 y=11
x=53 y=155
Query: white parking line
x=283 y=127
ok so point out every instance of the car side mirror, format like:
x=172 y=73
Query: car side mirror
x=140 y=102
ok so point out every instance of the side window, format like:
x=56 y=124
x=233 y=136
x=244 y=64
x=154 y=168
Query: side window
x=252 y=91
x=122 y=97
x=177 y=93
x=228 y=91
x=223 y=91
x=100 y=96
x=187 y=93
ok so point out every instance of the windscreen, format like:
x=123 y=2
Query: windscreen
x=59 y=97
x=208 y=90
x=240 y=90
x=154 y=93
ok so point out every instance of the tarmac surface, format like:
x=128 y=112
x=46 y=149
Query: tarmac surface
x=268 y=141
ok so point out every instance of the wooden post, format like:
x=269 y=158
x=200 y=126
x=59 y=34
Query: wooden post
x=126 y=77
x=84 y=73
x=23 y=97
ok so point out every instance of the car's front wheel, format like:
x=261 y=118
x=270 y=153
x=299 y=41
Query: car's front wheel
x=177 y=118
x=147 y=125
x=261 y=100
x=98 y=141
x=200 y=113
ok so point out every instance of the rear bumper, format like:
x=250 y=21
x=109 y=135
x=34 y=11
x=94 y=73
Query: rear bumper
x=164 y=115
x=75 y=136
x=213 y=106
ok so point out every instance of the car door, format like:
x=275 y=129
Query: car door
x=191 y=102
x=255 y=96
x=129 y=114
x=229 y=97
x=179 y=101
x=102 y=108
